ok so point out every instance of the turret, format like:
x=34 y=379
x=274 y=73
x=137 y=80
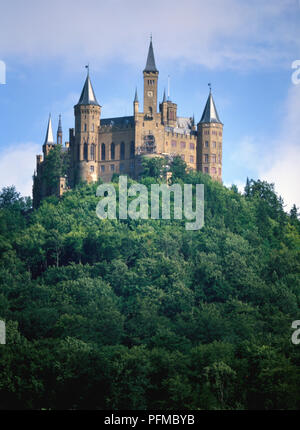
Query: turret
x=49 y=140
x=59 y=132
x=164 y=109
x=209 y=141
x=150 y=84
x=87 y=123
x=135 y=103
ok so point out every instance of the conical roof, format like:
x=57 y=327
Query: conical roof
x=210 y=113
x=164 y=97
x=136 y=96
x=150 y=65
x=87 y=95
x=49 y=134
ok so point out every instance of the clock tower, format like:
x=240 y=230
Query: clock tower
x=150 y=85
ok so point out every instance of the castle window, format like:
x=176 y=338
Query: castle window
x=214 y=144
x=220 y=133
x=85 y=151
x=213 y=170
x=122 y=151
x=219 y=158
x=205 y=158
x=84 y=127
x=102 y=168
x=213 y=158
x=219 y=172
x=206 y=144
x=173 y=143
x=93 y=151
x=103 y=151
x=132 y=150
x=93 y=127
x=206 y=169
x=191 y=158
x=192 y=146
x=182 y=145
x=112 y=167
x=112 y=151
x=92 y=168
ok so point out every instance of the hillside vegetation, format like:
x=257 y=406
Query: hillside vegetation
x=109 y=314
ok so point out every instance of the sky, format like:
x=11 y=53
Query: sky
x=245 y=48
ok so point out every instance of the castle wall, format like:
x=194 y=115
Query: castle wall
x=122 y=162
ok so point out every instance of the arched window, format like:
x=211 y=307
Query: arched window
x=103 y=151
x=93 y=151
x=112 y=151
x=132 y=150
x=85 y=151
x=84 y=127
x=122 y=151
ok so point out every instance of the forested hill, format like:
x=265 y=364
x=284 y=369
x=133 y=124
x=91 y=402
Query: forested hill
x=109 y=314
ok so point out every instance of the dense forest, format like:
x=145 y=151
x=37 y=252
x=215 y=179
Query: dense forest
x=143 y=314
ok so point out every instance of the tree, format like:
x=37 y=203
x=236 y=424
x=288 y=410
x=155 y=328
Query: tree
x=154 y=167
x=178 y=168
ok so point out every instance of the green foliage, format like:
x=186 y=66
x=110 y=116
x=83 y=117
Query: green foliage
x=154 y=167
x=108 y=314
x=178 y=169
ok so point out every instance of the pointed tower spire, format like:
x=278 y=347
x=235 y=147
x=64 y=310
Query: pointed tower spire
x=210 y=113
x=135 y=103
x=136 y=100
x=87 y=95
x=49 y=134
x=59 y=132
x=59 y=123
x=164 y=97
x=150 y=64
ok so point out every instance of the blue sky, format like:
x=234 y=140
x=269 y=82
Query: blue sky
x=244 y=48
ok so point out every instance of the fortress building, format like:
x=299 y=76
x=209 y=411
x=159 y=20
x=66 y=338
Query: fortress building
x=99 y=147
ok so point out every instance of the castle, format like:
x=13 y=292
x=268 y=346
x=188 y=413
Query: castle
x=98 y=147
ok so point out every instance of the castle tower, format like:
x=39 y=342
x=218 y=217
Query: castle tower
x=87 y=122
x=49 y=140
x=135 y=104
x=209 y=141
x=59 y=132
x=150 y=84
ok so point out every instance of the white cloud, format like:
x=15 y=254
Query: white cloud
x=279 y=161
x=17 y=164
x=227 y=33
x=284 y=168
